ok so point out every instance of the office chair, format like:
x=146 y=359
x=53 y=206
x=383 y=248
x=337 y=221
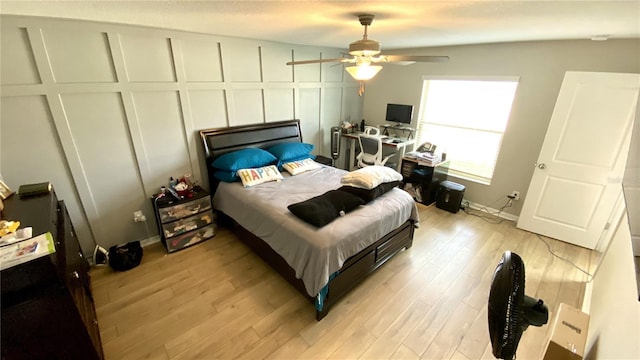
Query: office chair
x=371 y=151
x=371 y=131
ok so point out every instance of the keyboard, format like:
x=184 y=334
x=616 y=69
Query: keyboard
x=391 y=140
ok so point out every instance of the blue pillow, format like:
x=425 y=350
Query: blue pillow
x=243 y=159
x=292 y=151
x=307 y=156
x=226 y=176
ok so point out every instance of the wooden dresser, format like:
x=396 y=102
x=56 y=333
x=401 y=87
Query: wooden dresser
x=47 y=306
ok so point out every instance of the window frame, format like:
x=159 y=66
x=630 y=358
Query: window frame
x=422 y=110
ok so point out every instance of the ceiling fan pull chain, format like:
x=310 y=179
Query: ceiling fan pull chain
x=361 y=90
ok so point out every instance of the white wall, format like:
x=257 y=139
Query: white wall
x=631 y=186
x=108 y=113
x=540 y=67
x=614 y=326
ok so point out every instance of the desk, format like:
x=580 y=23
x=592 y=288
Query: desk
x=396 y=129
x=350 y=150
x=424 y=178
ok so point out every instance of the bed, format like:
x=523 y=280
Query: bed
x=324 y=263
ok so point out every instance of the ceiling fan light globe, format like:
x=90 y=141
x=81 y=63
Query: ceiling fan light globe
x=363 y=72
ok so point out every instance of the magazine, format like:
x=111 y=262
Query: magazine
x=26 y=250
x=17 y=236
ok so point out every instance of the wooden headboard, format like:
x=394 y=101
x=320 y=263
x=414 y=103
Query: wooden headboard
x=220 y=141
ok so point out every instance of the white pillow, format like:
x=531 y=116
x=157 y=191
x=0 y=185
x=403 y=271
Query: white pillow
x=298 y=167
x=251 y=177
x=370 y=176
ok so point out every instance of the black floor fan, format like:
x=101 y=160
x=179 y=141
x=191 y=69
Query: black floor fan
x=510 y=311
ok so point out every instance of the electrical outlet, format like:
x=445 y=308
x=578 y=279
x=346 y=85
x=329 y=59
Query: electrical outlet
x=515 y=195
x=138 y=216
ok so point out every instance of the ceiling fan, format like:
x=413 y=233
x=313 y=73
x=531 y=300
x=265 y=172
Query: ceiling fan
x=366 y=52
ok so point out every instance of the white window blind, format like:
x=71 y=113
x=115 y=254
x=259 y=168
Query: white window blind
x=466 y=119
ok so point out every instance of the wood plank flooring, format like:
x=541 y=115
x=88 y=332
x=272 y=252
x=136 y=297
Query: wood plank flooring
x=218 y=300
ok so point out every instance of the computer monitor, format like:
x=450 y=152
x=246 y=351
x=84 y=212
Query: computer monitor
x=400 y=114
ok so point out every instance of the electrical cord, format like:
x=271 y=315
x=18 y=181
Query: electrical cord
x=509 y=203
x=491 y=220
x=590 y=276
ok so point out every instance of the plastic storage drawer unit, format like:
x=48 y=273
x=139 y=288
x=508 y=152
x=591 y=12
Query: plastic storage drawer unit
x=450 y=196
x=185 y=222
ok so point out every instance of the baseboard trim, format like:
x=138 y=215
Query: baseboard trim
x=150 y=241
x=502 y=215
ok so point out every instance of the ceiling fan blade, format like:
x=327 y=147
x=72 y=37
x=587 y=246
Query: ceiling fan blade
x=303 y=62
x=410 y=59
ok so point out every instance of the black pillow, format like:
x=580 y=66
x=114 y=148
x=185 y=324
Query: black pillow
x=323 y=209
x=369 y=195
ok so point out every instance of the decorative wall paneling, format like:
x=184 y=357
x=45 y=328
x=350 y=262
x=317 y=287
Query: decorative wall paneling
x=108 y=113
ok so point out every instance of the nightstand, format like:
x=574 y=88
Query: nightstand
x=185 y=222
x=324 y=160
x=424 y=178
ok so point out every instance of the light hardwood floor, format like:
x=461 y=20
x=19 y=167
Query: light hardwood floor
x=218 y=300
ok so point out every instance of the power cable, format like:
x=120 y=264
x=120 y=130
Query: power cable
x=490 y=220
x=590 y=276
x=509 y=203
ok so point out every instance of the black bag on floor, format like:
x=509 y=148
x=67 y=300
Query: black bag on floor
x=125 y=257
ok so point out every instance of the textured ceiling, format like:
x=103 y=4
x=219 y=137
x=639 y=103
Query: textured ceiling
x=398 y=24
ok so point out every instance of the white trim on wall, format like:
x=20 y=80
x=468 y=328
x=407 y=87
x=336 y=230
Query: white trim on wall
x=97 y=60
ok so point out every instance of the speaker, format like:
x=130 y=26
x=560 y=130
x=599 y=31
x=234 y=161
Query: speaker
x=335 y=142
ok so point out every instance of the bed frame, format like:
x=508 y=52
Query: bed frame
x=219 y=141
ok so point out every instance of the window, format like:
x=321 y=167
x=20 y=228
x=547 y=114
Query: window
x=466 y=118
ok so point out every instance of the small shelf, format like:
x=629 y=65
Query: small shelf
x=424 y=179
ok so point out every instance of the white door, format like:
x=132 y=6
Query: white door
x=579 y=171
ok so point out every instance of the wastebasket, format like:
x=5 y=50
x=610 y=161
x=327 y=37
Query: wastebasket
x=450 y=196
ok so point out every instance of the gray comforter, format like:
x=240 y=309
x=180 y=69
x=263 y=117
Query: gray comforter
x=314 y=253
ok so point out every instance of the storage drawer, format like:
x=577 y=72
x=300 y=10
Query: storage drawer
x=407 y=168
x=348 y=276
x=190 y=238
x=187 y=224
x=87 y=311
x=72 y=254
x=175 y=212
x=47 y=326
x=390 y=247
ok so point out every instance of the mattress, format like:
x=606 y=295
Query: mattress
x=314 y=253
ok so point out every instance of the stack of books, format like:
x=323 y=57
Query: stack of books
x=424 y=158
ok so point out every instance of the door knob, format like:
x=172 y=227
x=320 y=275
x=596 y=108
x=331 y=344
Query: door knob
x=541 y=166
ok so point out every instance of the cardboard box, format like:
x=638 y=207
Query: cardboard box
x=568 y=334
